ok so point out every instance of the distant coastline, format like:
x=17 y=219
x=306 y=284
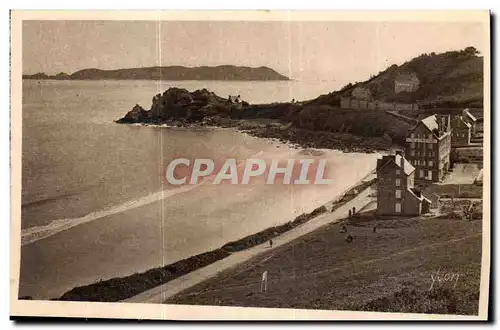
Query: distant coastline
x=223 y=72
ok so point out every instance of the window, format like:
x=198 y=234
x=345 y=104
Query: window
x=398 y=193
x=431 y=163
x=429 y=175
x=421 y=173
x=431 y=146
x=398 y=172
x=398 y=182
x=412 y=135
x=412 y=152
x=413 y=145
x=398 y=207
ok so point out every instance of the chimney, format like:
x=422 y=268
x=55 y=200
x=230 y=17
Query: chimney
x=401 y=158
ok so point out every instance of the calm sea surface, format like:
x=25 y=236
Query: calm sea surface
x=94 y=205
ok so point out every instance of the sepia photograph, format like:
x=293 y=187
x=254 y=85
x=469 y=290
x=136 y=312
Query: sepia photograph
x=250 y=165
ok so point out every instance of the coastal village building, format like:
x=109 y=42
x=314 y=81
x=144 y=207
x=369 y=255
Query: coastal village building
x=396 y=194
x=428 y=148
x=406 y=82
x=361 y=93
x=354 y=103
x=460 y=132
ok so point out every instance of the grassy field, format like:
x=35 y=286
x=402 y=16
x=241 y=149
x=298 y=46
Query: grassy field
x=391 y=270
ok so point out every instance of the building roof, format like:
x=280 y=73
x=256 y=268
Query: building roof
x=431 y=123
x=398 y=160
x=419 y=195
x=407 y=75
x=479 y=177
x=466 y=123
x=467 y=113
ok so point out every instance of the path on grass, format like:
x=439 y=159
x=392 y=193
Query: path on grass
x=161 y=293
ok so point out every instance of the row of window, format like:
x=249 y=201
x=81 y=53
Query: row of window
x=459 y=135
x=421 y=145
x=421 y=136
x=420 y=162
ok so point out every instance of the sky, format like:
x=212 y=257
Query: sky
x=300 y=50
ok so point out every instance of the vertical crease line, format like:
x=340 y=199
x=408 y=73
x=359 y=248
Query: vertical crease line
x=160 y=153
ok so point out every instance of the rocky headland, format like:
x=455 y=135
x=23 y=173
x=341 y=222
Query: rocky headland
x=221 y=72
x=297 y=123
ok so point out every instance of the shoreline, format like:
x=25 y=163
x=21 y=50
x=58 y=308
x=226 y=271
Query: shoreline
x=281 y=133
x=121 y=288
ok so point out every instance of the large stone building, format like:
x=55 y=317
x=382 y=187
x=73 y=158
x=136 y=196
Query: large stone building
x=428 y=148
x=406 y=82
x=396 y=194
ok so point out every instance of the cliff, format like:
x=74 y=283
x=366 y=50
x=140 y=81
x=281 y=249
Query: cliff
x=223 y=72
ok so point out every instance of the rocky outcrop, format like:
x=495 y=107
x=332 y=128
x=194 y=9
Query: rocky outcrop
x=136 y=115
x=178 y=105
x=308 y=126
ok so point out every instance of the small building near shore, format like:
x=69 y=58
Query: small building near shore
x=406 y=82
x=470 y=119
x=396 y=194
x=361 y=93
x=461 y=132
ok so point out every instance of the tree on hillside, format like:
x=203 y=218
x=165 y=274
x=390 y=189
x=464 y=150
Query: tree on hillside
x=471 y=51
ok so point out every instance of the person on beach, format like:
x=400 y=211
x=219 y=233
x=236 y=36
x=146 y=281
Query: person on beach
x=263 y=283
x=270 y=243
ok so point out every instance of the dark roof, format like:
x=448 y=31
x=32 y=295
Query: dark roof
x=407 y=75
x=465 y=123
x=467 y=113
x=396 y=159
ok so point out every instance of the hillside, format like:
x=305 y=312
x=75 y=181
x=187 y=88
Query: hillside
x=390 y=270
x=450 y=79
x=223 y=72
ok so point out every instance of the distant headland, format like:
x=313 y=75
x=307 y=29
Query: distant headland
x=222 y=72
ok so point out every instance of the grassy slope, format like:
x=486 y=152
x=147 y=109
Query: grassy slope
x=386 y=271
x=448 y=79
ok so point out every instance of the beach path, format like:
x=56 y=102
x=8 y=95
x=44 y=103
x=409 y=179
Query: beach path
x=161 y=293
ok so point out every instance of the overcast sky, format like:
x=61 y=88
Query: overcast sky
x=300 y=50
